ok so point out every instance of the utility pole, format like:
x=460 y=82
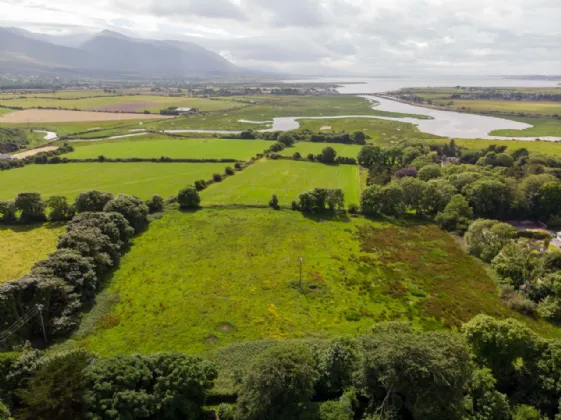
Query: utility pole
x=300 y=283
x=40 y=309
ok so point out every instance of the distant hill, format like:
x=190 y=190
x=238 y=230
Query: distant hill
x=108 y=53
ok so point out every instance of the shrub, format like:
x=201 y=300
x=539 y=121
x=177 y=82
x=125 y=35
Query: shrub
x=429 y=172
x=279 y=384
x=311 y=157
x=92 y=201
x=286 y=139
x=217 y=177
x=294 y=205
x=457 y=215
x=277 y=147
x=200 y=185
x=327 y=155
x=296 y=156
x=55 y=389
x=156 y=204
x=238 y=166
x=274 y=203
x=229 y=170
x=225 y=412
x=8 y=212
x=131 y=207
x=32 y=207
x=188 y=198
x=164 y=385
x=59 y=209
x=353 y=208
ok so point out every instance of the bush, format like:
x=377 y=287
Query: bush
x=225 y=412
x=92 y=201
x=353 y=208
x=164 y=385
x=131 y=207
x=429 y=172
x=294 y=205
x=311 y=157
x=277 y=147
x=59 y=209
x=156 y=204
x=188 y=198
x=8 y=212
x=200 y=185
x=229 y=171
x=296 y=156
x=55 y=389
x=217 y=177
x=274 y=203
x=238 y=166
x=278 y=385
x=32 y=207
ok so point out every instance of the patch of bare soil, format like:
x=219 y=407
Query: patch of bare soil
x=33 y=152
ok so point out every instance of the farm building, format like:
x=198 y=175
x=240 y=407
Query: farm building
x=4 y=157
x=187 y=110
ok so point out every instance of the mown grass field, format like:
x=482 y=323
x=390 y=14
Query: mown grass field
x=140 y=179
x=201 y=280
x=158 y=102
x=154 y=147
x=59 y=94
x=23 y=246
x=285 y=178
x=305 y=148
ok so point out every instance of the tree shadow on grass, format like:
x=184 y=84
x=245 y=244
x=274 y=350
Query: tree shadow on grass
x=328 y=216
x=21 y=227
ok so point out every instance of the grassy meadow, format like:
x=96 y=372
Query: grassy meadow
x=154 y=147
x=285 y=178
x=140 y=179
x=197 y=281
x=540 y=127
x=23 y=246
x=152 y=103
x=305 y=148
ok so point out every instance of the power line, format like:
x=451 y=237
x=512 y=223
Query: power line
x=24 y=319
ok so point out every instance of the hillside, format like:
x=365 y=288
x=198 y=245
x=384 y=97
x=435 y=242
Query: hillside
x=107 y=53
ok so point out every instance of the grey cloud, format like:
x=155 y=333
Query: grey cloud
x=223 y=9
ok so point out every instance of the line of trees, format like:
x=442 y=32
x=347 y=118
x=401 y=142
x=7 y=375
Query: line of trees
x=492 y=369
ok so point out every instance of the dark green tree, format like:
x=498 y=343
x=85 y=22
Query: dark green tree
x=131 y=207
x=456 y=216
x=8 y=212
x=188 y=198
x=92 y=201
x=278 y=385
x=32 y=207
x=59 y=209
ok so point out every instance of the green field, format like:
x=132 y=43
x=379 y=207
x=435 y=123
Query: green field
x=140 y=179
x=285 y=178
x=527 y=107
x=93 y=102
x=59 y=94
x=281 y=106
x=545 y=147
x=67 y=128
x=154 y=147
x=5 y=111
x=380 y=131
x=304 y=148
x=23 y=246
x=541 y=127
x=203 y=280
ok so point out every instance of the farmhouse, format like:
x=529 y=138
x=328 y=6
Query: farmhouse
x=184 y=111
x=4 y=157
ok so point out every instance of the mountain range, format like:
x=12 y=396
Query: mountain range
x=108 y=54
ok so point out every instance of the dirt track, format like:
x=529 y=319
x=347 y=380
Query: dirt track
x=33 y=152
x=127 y=107
x=53 y=115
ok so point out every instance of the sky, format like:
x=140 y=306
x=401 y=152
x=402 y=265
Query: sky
x=362 y=37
